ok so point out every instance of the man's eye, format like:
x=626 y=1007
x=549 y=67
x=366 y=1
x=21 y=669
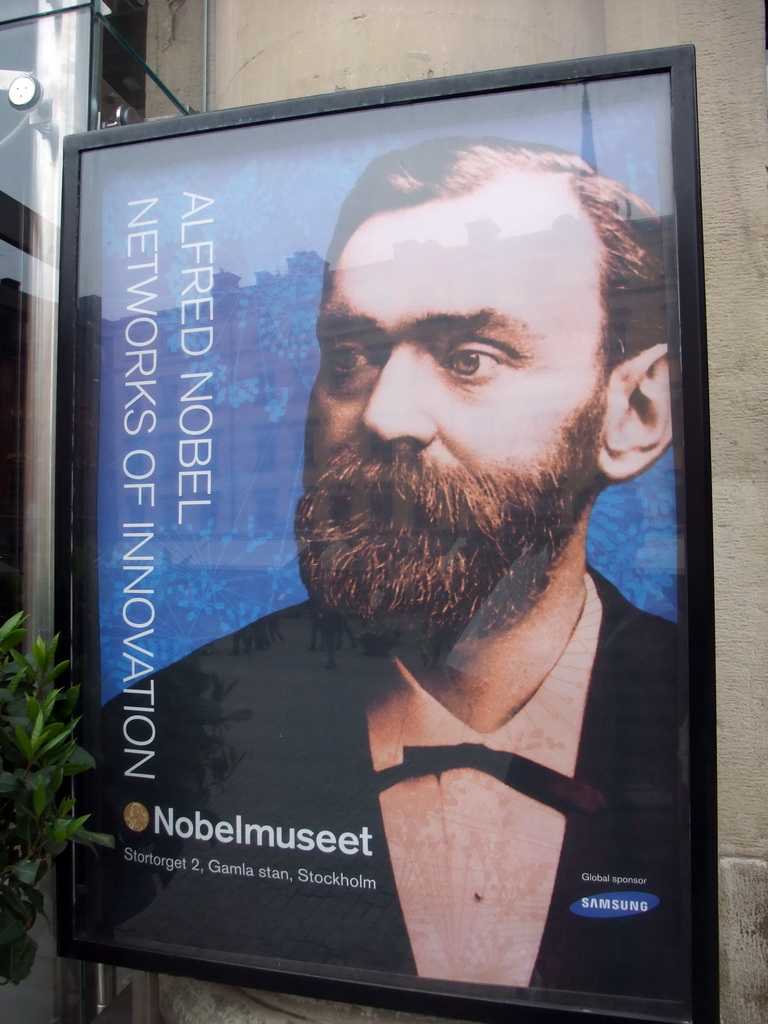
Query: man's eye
x=345 y=360
x=472 y=363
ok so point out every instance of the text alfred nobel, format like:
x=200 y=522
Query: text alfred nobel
x=194 y=464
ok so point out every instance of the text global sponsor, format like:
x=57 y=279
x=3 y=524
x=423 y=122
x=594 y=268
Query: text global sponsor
x=614 y=904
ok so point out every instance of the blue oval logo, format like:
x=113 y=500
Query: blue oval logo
x=614 y=904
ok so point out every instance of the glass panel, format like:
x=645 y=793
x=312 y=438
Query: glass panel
x=396 y=482
x=151 y=60
x=124 y=79
x=54 y=51
x=36 y=110
x=12 y=321
x=17 y=51
x=25 y=8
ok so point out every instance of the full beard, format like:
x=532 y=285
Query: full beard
x=417 y=539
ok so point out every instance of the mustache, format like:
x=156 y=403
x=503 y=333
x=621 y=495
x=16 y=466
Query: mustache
x=387 y=528
x=406 y=493
x=426 y=540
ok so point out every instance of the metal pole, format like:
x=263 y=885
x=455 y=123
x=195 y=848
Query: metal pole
x=146 y=998
x=106 y=987
x=61 y=68
x=206 y=55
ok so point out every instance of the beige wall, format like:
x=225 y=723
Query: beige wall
x=729 y=41
x=303 y=47
x=306 y=47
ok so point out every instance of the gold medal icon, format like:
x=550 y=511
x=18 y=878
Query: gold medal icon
x=136 y=816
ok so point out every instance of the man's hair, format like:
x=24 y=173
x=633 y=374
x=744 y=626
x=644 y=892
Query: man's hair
x=632 y=274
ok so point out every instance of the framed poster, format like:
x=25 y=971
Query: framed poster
x=385 y=546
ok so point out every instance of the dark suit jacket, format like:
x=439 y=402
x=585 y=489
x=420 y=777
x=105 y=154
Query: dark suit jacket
x=297 y=755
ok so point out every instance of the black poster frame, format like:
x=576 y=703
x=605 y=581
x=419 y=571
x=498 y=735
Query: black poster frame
x=79 y=401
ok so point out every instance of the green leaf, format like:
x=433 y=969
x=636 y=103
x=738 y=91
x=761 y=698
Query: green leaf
x=69 y=700
x=15 y=682
x=23 y=664
x=9 y=783
x=81 y=756
x=11 y=907
x=65 y=806
x=24 y=824
x=49 y=701
x=58 y=733
x=17 y=958
x=57 y=834
x=37 y=730
x=54 y=643
x=61 y=753
x=12 y=641
x=26 y=871
x=11 y=627
x=73 y=824
x=37 y=752
x=57 y=670
x=37 y=900
x=62 y=757
x=22 y=741
x=51 y=731
x=11 y=930
x=39 y=797
x=39 y=652
x=91 y=839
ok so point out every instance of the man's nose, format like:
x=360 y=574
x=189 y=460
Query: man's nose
x=401 y=401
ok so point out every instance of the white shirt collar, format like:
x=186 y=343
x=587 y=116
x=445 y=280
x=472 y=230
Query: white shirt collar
x=546 y=730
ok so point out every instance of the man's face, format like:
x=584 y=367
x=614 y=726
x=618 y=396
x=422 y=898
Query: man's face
x=460 y=349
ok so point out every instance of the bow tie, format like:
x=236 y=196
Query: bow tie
x=534 y=780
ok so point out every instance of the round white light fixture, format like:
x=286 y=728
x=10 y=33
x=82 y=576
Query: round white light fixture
x=24 y=92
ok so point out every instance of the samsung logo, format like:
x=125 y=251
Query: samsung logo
x=614 y=904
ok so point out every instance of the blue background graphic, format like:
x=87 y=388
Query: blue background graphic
x=277 y=191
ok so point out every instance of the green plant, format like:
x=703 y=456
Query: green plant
x=37 y=753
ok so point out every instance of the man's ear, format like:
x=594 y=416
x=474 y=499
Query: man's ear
x=638 y=418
